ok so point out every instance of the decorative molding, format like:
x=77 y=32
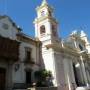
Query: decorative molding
x=65 y=49
x=44 y=18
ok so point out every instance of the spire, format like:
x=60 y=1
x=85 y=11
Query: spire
x=44 y=2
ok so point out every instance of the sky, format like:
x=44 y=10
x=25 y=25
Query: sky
x=70 y=14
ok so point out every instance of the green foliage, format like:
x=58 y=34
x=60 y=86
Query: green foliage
x=43 y=77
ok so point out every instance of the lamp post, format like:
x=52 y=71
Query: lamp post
x=83 y=67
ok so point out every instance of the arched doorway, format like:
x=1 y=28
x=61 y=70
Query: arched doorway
x=77 y=75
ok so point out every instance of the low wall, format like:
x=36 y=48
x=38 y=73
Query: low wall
x=83 y=88
x=47 y=88
x=39 y=88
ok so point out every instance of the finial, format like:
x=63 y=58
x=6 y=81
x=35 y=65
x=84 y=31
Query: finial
x=44 y=2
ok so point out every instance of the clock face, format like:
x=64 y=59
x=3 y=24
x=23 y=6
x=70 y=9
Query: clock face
x=42 y=13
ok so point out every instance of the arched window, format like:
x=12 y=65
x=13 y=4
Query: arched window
x=42 y=29
x=81 y=48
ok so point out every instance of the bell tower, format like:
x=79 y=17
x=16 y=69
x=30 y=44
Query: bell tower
x=45 y=23
x=46 y=32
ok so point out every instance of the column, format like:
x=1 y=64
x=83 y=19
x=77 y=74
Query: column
x=84 y=72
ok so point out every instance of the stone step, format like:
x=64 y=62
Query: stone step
x=83 y=88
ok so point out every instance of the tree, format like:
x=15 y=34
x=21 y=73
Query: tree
x=44 y=78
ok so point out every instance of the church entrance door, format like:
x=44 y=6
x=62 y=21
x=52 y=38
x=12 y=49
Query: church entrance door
x=2 y=78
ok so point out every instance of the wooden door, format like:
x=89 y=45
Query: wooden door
x=2 y=78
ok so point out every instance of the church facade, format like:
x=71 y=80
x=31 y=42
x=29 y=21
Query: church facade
x=65 y=58
x=21 y=56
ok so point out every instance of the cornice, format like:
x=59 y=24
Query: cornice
x=65 y=49
x=37 y=20
x=28 y=40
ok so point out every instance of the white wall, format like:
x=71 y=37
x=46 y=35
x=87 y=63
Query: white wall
x=48 y=58
x=20 y=75
x=10 y=32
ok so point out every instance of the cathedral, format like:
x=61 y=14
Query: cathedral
x=21 y=56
